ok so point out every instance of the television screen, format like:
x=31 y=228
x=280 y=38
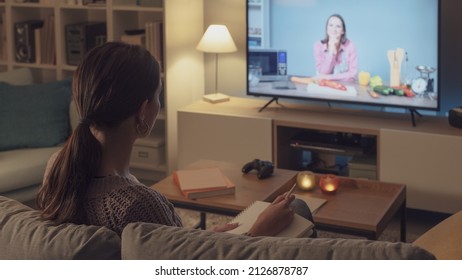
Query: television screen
x=381 y=53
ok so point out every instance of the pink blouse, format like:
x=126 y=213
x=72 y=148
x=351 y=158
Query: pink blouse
x=341 y=67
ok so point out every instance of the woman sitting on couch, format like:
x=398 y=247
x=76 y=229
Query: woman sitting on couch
x=116 y=90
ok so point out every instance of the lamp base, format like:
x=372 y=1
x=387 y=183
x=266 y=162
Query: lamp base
x=216 y=97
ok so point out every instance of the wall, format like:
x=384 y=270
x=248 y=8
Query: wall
x=231 y=66
x=184 y=64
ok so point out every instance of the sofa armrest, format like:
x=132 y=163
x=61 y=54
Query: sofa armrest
x=445 y=239
x=24 y=235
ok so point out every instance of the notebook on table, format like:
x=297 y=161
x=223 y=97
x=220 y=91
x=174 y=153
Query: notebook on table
x=247 y=218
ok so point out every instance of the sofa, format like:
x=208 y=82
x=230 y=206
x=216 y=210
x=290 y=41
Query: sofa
x=36 y=120
x=23 y=235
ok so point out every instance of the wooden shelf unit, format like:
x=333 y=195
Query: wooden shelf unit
x=119 y=15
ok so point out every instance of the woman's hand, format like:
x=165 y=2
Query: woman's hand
x=225 y=227
x=333 y=44
x=275 y=218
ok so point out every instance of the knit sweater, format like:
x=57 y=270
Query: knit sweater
x=115 y=201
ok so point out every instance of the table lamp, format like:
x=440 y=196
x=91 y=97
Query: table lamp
x=216 y=39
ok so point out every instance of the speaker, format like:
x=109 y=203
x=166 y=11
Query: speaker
x=24 y=39
x=82 y=37
x=455 y=117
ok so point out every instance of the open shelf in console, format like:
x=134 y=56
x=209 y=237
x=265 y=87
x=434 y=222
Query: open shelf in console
x=322 y=151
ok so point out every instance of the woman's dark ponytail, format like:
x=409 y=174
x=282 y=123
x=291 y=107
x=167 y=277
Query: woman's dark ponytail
x=65 y=186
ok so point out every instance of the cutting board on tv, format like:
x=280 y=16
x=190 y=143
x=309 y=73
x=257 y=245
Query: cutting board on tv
x=316 y=89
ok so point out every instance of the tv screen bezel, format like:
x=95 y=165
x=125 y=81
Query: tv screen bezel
x=330 y=101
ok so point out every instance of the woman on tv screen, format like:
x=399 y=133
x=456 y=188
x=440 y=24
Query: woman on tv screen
x=335 y=55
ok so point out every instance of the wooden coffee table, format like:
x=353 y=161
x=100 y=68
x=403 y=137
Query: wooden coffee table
x=360 y=207
x=248 y=189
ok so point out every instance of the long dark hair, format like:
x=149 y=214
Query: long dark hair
x=109 y=86
x=344 y=38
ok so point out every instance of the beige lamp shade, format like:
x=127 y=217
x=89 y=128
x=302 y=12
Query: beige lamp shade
x=217 y=39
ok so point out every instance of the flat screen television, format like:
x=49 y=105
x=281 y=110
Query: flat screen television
x=382 y=53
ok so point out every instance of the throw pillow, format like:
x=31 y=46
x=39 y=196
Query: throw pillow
x=34 y=116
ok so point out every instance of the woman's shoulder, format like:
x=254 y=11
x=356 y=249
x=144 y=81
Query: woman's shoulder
x=119 y=186
x=140 y=190
x=136 y=192
x=349 y=44
x=319 y=46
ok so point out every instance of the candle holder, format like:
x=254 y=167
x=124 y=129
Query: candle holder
x=306 y=180
x=329 y=184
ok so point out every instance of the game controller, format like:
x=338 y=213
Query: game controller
x=264 y=168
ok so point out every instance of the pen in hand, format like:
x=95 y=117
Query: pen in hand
x=290 y=191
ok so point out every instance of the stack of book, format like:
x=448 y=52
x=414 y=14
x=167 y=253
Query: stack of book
x=45 y=49
x=2 y=37
x=204 y=182
x=154 y=41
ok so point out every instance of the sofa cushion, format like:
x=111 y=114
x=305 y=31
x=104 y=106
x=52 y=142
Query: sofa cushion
x=24 y=235
x=445 y=239
x=151 y=241
x=36 y=115
x=23 y=167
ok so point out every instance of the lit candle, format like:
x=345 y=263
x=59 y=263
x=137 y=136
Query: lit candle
x=306 y=180
x=329 y=184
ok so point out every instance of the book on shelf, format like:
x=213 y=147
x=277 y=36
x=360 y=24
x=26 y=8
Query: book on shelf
x=38 y=45
x=297 y=228
x=2 y=37
x=154 y=39
x=95 y=3
x=47 y=53
x=138 y=39
x=203 y=182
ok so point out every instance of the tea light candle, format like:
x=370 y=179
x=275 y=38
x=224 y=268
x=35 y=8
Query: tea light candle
x=329 y=184
x=306 y=180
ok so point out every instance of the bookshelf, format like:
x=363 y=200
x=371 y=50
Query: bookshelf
x=3 y=60
x=118 y=16
x=258 y=23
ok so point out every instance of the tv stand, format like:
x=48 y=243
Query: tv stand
x=414 y=111
x=425 y=158
x=268 y=103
